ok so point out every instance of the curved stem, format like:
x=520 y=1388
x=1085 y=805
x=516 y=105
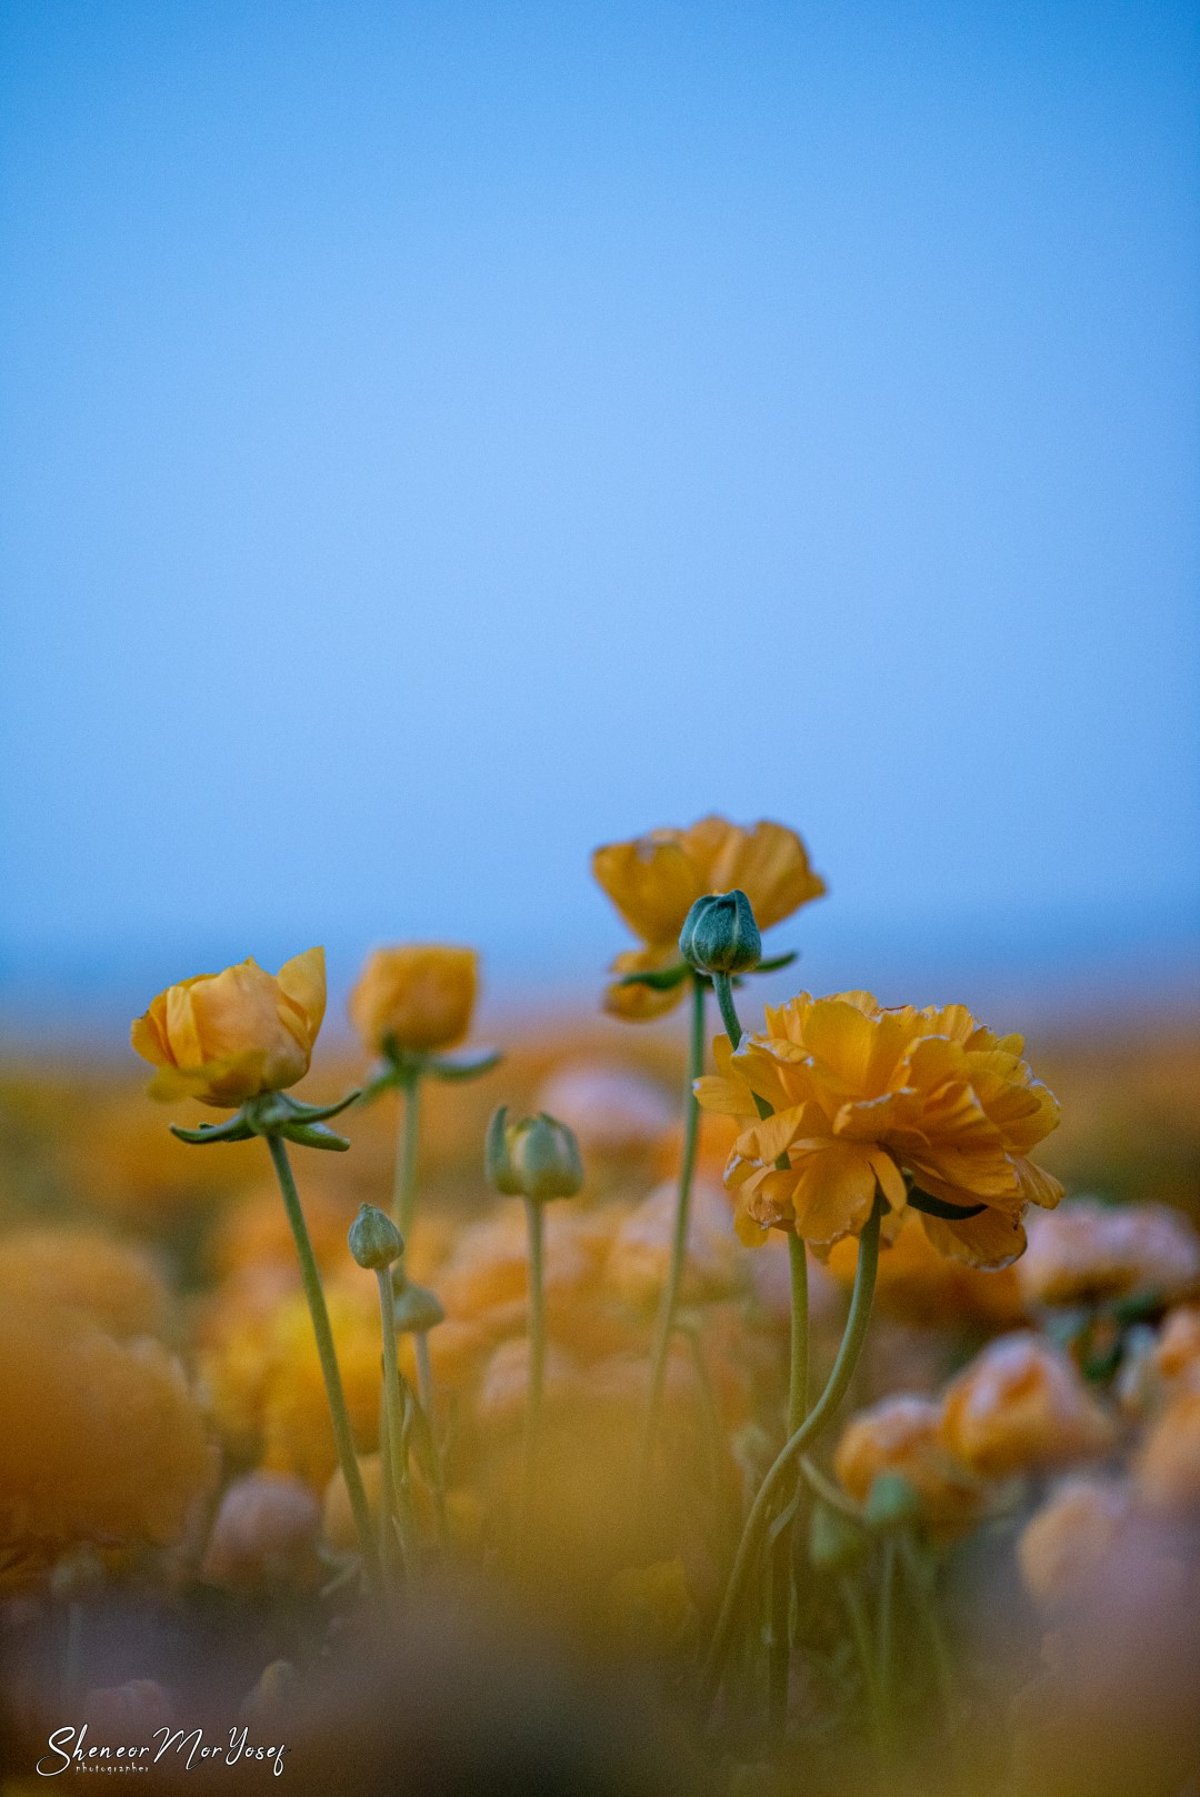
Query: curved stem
x=679 y=1239
x=338 y=1414
x=762 y=1508
x=537 y=1346
x=723 y=987
x=404 y=1189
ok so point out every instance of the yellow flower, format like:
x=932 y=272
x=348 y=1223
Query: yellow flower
x=419 y=996
x=1021 y=1406
x=103 y=1441
x=1167 y=1471
x=225 y=1037
x=864 y=1096
x=114 y=1284
x=901 y=1435
x=655 y=879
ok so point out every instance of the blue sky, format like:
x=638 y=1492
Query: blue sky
x=438 y=438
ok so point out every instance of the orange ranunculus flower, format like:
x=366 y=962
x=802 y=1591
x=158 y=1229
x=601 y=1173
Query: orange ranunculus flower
x=1089 y=1250
x=655 y=879
x=226 y=1037
x=419 y=996
x=1167 y=1470
x=864 y=1096
x=901 y=1435
x=1021 y=1406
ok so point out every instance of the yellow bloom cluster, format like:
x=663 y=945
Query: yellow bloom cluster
x=865 y=1099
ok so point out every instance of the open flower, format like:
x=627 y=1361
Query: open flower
x=901 y=1436
x=226 y=1037
x=654 y=880
x=1089 y=1251
x=417 y=997
x=1021 y=1407
x=868 y=1099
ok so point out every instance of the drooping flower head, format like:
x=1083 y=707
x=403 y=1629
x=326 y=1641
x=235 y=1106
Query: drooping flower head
x=226 y=1037
x=417 y=997
x=655 y=879
x=868 y=1099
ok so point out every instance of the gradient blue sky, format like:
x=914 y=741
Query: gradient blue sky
x=440 y=437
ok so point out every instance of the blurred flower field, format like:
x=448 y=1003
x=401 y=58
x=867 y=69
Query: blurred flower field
x=738 y=1446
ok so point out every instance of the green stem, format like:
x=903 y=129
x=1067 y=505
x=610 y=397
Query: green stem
x=782 y=1554
x=425 y=1393
x=537 y=1346
x=397 y=1459
x=798 y=1379
x=886 y=1633
x=822 y=1412
x=404 y=1189
x=723 y=987
x=339 y=1416
x=861 y=1633
x=679 y=1240
x=926 y=1602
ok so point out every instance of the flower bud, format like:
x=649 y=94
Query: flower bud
x=720 y=935
x=892 y=1502
x=537 y=1157
x=417 y=1310
x=374 y=1239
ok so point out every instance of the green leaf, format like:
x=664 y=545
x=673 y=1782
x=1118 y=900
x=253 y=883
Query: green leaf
x=938 y=1207
x=458 y=1068
x=662 y=979
x=235 y=1130
x=777 y=961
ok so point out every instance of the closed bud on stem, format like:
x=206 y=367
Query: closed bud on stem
x=417 y=1310
x=537 y=1158
x=892 y=1503
x=374 y=1239
x=720 y=935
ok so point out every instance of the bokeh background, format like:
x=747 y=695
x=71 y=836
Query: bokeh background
x=438 y=438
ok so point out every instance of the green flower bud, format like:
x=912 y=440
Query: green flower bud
x=537 y=1157
x=374 y=1239
x=720 y=935
x=892 y=1502
x=417 y=1310
x=835 y=1544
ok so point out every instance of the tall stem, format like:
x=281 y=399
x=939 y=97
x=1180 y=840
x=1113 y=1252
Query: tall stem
x=782 y=1556
x=679 y=1238
x=861 y=1631
x=537 y=1346
x=798 y=1370
x=425 y=1393
x=397 y=1459
x=822 y=1412
x=920 y=1584
x=338 y=1414
x=404 y=1188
